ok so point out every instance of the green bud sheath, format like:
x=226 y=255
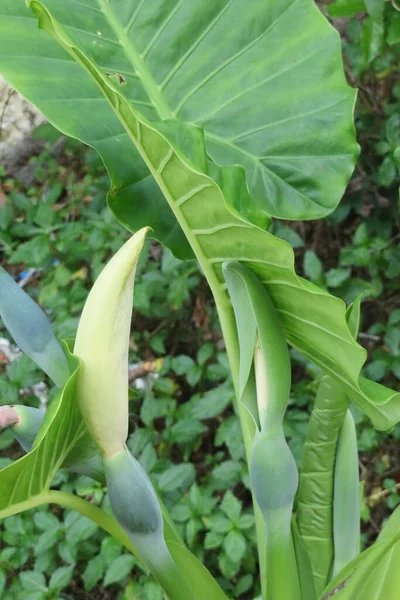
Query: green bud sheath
x=31 y=329
x=25 y=422
x=132 y=496
x=30 y=420
x=137 y=509
x=346 y=497
x=102 y=345
x=274 y=480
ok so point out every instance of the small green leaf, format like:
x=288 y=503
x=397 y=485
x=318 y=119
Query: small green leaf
x=393 y=33
x=185 y=431
x=244 y=584
x=375 y=9
x=61 y=578
x=119 y=569
x=231 y=506
x=235 y=545
x=47 y=540
x=35 y=252
x=213 y=402
x=33 y=581
x=94 y=572
x=336 y=277
x=345 y=8
x=205 y=353
x=182 y=364
x=246 y=522
x=312 y=266
x=177 y=477
x=81 y=529
x=2 y=582
x=228 y=567
x=290 y=236
x=226 y=474
x=45 y=520
x=219 y=524
x=36 y=596
x=68 y=552
x=213 y=540
x=110 y=549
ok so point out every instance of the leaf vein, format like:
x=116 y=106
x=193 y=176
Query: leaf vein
x=231 y=59
x=132 y=19
x=192 y=193
x=281 y=121
x=165 y=160
x=257 y=85
x=216 y=228
x=313 y=324
x=159 y=31
x=193 y=47
x=92 y=8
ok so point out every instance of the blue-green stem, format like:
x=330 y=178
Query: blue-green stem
x=229 y=331
x=282 y=578
x=137 y=509
x=103 y=520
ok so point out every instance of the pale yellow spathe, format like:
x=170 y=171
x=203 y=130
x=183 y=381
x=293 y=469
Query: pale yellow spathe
x=102 y=345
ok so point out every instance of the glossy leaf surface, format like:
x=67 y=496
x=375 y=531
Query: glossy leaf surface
x=205 y=198
x=374 y=575
x=315 y=498
x=287 y=120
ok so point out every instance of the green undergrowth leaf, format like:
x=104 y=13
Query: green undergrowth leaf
x=210 y=203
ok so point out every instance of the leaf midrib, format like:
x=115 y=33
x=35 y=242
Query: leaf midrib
x=151 y=87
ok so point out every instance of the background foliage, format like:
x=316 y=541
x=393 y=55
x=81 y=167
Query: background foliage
x=56 y=233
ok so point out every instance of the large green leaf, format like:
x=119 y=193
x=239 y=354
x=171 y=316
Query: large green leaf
x=61 y=430
x=206 y=200
x=71 y=101
x=375 y=574
x=264 y=80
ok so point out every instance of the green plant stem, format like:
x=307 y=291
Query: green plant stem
x=163 y=567
x=229 y=332
x=103 y=520
x=282 y=579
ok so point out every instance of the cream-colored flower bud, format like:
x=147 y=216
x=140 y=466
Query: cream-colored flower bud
x=102 y=344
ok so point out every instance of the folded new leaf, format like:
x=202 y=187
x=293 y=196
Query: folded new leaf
x=31 y=329
x=264 y=370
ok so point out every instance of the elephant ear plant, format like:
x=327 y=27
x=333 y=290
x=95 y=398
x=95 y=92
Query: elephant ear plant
x=212 y=118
